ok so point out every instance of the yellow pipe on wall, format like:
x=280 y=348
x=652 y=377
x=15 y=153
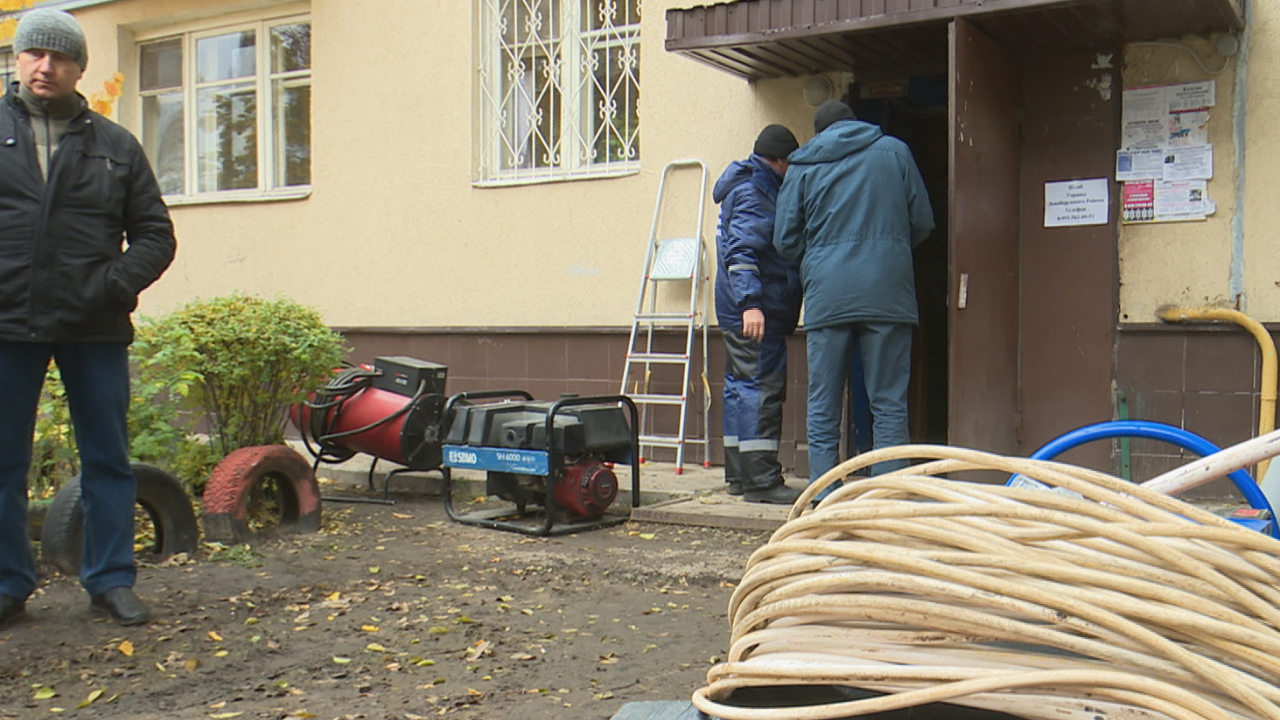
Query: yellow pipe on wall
x=1267 y=393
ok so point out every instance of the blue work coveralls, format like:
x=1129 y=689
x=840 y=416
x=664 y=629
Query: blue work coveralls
x=751 y=274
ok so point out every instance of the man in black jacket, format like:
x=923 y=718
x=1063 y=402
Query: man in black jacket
x=83 y=230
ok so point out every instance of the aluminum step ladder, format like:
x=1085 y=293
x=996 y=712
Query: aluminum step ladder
x=673 y=266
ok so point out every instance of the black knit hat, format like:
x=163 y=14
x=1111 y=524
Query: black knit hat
x=775 y=142
x=829 y=112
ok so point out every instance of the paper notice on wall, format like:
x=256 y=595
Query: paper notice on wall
x=1188 y=163
x=1168 y=115
x=1138 y=201
x=1149 y=201
x=1077 y=202
x=1144 y=116
x=1140 y=163
x=1180 y=201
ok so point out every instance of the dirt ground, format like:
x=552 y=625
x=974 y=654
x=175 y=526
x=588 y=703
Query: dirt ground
x=390 y=612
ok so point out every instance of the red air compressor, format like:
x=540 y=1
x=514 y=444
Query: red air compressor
x=391 y=411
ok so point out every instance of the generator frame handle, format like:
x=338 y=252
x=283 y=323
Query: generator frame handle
x=635 y=434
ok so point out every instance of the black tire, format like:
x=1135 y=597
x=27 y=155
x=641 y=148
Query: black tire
x=160 y=494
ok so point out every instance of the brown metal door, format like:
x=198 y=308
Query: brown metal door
x=984 y=217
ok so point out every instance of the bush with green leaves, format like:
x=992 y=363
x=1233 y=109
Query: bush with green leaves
x=247 y=359
x=212 y=377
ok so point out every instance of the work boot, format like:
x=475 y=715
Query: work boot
x=776 y=495
x=122 y=605
x=735 y=487
x=11 y=608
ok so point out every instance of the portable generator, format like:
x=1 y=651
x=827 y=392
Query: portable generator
x=557 y=456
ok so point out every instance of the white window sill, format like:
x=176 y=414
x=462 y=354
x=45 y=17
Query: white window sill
x=295 y=193
x=538 y=179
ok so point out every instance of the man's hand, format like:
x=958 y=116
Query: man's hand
x=753 y=324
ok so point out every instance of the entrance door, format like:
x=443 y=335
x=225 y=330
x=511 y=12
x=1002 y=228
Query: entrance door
x=985 y=110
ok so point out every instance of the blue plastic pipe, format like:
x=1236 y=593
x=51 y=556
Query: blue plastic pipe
x=1156 y=431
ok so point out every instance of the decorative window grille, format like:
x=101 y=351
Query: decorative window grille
x=559 y=89
x=227 y=113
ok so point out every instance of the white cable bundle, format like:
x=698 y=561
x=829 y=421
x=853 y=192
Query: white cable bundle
x=1118 y=602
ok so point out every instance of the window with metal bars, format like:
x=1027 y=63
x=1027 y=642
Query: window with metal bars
x=559 y=89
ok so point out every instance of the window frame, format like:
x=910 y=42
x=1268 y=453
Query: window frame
x=573 y=113
x=270 y=135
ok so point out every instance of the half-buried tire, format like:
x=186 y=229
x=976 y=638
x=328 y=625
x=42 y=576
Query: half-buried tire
x=249 y=479
x=160 y=494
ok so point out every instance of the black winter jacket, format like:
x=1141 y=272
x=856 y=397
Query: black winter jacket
x=65 y=274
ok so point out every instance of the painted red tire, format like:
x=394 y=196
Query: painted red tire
x=225 y=503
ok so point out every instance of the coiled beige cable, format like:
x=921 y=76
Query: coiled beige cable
x=1090 y=597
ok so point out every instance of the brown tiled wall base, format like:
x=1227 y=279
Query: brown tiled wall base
x=587 y=362
x=1205 y=379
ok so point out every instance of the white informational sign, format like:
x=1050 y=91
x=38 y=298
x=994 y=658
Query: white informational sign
x=1077 y=202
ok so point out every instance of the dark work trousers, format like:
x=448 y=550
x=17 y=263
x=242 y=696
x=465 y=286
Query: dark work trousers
x=96 y=377
x=755 y=386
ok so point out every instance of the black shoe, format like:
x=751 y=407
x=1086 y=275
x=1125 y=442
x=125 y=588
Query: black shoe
x=11 y=608
x=735 y=487
x=122 y=605
x=776 y=495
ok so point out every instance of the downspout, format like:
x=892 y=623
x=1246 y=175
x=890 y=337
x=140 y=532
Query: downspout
x=1267 y=393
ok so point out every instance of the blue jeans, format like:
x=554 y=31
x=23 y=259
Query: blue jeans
x=96 y=377
x=885 y=350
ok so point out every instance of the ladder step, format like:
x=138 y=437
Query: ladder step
x=676 y=358
x=657 y=399
x=669 y=441
x=673 y=318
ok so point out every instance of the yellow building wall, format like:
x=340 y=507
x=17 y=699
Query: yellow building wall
x=394 y=232
x=1232 y=258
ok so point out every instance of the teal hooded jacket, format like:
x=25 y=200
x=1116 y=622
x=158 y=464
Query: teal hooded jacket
x=850 y=211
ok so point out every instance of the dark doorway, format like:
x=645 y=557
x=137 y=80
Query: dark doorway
x=914 y=110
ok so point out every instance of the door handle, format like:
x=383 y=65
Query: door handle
x=962 y=298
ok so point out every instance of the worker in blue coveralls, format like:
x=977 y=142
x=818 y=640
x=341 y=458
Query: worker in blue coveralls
x=757 y=306
x=850 y=212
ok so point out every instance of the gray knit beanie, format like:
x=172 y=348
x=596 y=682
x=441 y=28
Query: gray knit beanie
x=47 y=29
x=829 y=112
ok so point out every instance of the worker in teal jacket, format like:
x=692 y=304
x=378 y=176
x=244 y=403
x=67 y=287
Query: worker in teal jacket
x=851 y=209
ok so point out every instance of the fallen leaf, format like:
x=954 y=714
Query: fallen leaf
x=474 y=693
x=190 y=664
x=125 y=648
x=341 y=660
x=375 y=647
x=221 y=653
x=45 y=693
x=374 y=569
x=215 y=636
x=369 y=628
x=225 y=715
x=402 y=516
x=89 y=700
x=647 y=536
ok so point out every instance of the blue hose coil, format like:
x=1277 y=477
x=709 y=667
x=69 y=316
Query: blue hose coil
x=1146 y=429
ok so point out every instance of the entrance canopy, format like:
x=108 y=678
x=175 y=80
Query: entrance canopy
x=788 y=38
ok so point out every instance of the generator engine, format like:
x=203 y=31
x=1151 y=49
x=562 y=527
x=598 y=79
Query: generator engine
x=508 y=440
